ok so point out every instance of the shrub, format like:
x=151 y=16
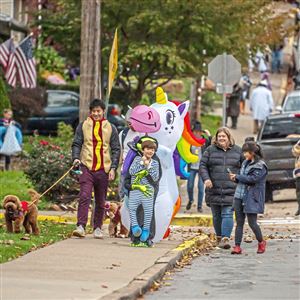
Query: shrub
x=49 y=60
x=4 y=100
x=47 y=162
x=27 y=102
x=65 y=135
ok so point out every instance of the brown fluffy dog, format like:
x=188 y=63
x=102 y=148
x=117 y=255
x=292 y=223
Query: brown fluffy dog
x=113 y=213
x=19 y=213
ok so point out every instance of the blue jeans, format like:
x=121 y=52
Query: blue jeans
x=222 y=219
x=190 y=187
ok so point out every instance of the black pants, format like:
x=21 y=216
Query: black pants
x=7 y=161
x=234 y=120
x=240 y=221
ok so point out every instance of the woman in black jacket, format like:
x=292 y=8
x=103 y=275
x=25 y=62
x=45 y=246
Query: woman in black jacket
x=222 y=157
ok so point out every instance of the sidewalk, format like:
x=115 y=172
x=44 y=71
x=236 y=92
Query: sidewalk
x=91 y=269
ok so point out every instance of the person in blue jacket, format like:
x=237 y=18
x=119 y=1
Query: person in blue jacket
x=249 y=197
x=4 y=123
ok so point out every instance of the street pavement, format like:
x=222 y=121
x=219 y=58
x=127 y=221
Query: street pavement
x=220 y=275
x=91 y=268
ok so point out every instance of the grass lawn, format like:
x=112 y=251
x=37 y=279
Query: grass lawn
x=12 y=246
x=16 y=183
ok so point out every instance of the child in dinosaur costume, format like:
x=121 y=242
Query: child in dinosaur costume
x=144 y=174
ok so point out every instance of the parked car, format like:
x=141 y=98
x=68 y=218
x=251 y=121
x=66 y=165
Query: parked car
x=276 y=137
x=63 y=106
x=291 y=103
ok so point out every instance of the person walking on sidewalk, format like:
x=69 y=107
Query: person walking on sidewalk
x=218 y=158
x=194 y=167
x=296 y=153
x=249 y=197
x=96 y=148
x=261 y=104
x=233 y=105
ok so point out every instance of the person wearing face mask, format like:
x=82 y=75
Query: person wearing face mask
x=218 y=159
x=96 y=149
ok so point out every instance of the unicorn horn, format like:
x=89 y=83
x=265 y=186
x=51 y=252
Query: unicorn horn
x=160 y=96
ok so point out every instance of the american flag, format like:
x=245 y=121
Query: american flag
x=25 y=64
x=5 y=50
x=7 y=59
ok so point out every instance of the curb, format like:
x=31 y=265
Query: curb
x=192 y=220
x=143 y=282
x=179 y=220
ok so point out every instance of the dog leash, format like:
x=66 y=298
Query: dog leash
x=54 y=184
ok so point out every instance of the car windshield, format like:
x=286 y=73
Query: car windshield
x=281 y=128
x=61 y=100
x=292 y=103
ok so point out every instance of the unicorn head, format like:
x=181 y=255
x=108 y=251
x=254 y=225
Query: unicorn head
x=171 y=119
x=144 y=119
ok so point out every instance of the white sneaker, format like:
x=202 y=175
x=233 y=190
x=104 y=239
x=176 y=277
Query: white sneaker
x=98 y=233
x=79 y=231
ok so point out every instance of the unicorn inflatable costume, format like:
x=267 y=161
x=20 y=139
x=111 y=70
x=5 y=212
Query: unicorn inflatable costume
x=172 y=125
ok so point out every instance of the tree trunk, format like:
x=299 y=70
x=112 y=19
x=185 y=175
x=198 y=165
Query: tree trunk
x=90 y=55
x=138 y=93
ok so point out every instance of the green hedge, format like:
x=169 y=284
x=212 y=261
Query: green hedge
x=4 y=100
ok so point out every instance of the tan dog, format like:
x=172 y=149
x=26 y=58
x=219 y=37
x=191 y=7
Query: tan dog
x=113 y=213
x=18 y=213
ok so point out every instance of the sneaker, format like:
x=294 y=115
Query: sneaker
x=297 y=212
x=236 y=250
x=261 y=247
x=98 y=233
x=79 y=232
x=200 y=210
x=188 y=206
x=224 y=243
x=217 y=241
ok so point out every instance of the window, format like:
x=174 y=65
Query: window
x=62 y=100
x=292 y=104
x=281 y=128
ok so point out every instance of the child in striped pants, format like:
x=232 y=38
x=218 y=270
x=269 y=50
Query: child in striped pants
x=144 y=172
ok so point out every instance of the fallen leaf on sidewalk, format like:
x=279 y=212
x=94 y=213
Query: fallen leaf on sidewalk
x=116 y=265
x=104 y=286
x=248 y=239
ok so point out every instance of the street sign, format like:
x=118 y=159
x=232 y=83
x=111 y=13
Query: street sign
x=221 y=89
x=224 y=70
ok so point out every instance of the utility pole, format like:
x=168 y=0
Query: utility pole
x=197 y=107
x=90 y=55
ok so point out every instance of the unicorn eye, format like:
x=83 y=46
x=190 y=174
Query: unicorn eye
x=170 y=115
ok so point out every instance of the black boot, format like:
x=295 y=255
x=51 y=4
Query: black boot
x=188 y=206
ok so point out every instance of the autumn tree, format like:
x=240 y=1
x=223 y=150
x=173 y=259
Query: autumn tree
x=163 y=39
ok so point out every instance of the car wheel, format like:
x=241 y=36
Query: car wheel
x=269 y=192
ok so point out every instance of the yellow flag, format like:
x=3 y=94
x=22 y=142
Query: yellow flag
x=113 y=62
